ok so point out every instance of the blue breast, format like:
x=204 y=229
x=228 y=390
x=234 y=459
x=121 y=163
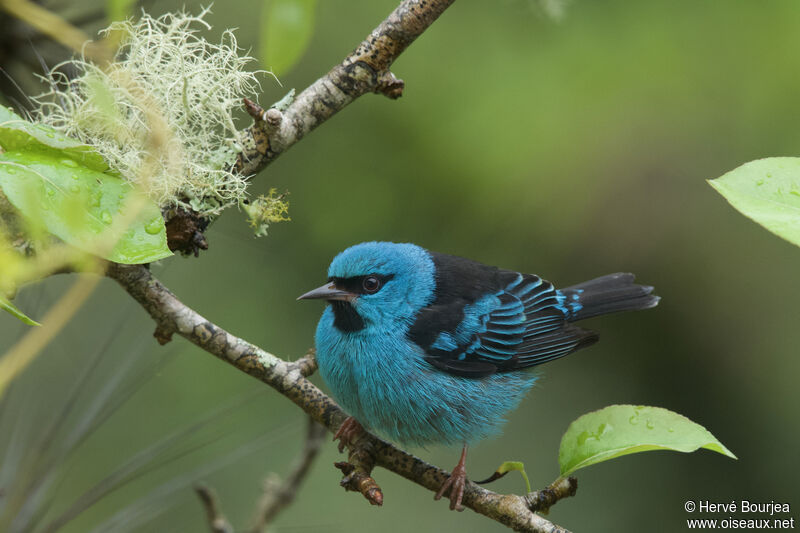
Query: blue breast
x=382 y=379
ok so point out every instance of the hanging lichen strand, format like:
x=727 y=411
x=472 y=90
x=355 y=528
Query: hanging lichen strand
x=161 y=69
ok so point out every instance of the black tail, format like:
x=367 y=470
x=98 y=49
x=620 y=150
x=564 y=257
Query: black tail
x=610 y=294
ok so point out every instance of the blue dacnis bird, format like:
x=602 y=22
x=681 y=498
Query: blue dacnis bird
x=427 y=348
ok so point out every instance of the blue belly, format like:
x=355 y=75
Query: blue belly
x=384 y=382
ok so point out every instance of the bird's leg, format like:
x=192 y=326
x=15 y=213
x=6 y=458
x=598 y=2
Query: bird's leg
x=456 y=483
x=347 y=432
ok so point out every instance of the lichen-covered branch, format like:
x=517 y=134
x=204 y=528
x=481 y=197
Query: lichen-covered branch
x=172 y=316
x=288 y=378
x=365 y=70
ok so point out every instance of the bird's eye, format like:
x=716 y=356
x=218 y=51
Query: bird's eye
x=371 y=284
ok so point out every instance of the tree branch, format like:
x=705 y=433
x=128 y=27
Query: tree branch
x=357 y=469
x=217 y=523
x=288 y=378
x=543 y=500
x=365 y=70
x=273 y=131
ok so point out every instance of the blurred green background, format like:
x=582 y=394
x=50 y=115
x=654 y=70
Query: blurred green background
x=570 y=149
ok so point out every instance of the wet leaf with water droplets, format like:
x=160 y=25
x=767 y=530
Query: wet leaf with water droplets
x=43 y=188
x=757 y=189
x=155 y=226
x=18 y=134
x=620 y=430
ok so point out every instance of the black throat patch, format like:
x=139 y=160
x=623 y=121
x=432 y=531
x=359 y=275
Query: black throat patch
x=345 y=317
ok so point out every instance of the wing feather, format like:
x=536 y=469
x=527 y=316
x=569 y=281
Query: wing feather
x=522 y=325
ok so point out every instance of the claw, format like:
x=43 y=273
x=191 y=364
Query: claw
x=348 y=432
x=456 y=484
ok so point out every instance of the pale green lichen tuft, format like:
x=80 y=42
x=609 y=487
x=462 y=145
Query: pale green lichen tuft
x=194 y=85
x=266 y=210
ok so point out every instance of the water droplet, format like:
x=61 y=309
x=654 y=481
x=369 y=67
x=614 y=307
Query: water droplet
x=94 y=201
x=69 y=162
x=794 y=192
x=105 y=216
x=634 y=420
x=51 y=191
x=759 y=183
x=74 y=176
x=155 y=226
x=11 y=170
x=650 y=424
x=671 y=430
x=602 y=429
x=74 y=188
x=51 y=135
x=769 y=174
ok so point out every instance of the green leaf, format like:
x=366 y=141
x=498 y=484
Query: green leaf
x=78 y=204
x=767 y=191
x=17 y=133
x=119 y=9
x=286 y=29
x=619 y=430
x=504 y=469
x=7 y=306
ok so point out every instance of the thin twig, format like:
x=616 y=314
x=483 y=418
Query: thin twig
x=365 y=70
x=357 y=469
x=542 y=500
x=173 y=316
x=277 y=495
x=217 y=523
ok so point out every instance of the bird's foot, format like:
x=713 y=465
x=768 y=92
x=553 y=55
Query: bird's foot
x=348 y=432
x=456 y=484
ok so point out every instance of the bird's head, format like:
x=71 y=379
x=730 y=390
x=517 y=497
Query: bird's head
x=380 y=284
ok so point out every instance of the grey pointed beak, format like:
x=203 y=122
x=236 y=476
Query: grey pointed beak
x=328 y=292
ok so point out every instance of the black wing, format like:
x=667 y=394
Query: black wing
x=496 y=321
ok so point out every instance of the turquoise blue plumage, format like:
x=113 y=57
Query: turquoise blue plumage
x=425 y=348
